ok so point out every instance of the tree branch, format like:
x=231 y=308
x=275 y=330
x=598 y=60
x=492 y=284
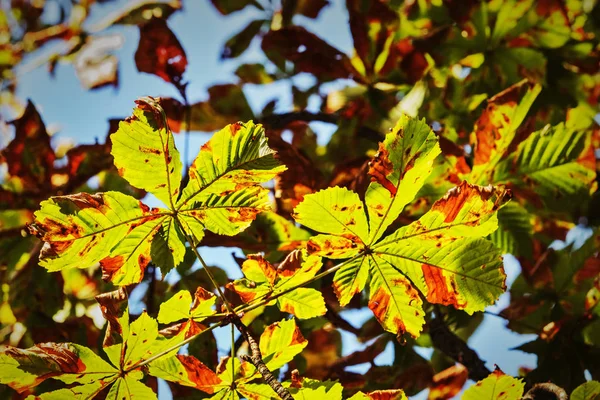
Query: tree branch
x=456 y=348
x=280 y=121
x=256 y=359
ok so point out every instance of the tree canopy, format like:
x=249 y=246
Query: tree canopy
x=464 y=137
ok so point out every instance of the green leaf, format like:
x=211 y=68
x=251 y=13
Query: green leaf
x=443 y=254
x=224 y=192
x=178 y=306
x=23 y=369
x=280 y=343
x=79 y=392
x=130 y=388
x=304 y=303
x=255 y=391
x=308 y=389
x=145 y=152
x=168 y=247
x=497 y=126
x=111 y=228
x=394 y=300
x=262 y=280
x=224 y=195
x=587 y=391
x=394 y=394
x=497 y=386
x=399 y=170
x=547 y=169
x=187 y=371
x=514 y=233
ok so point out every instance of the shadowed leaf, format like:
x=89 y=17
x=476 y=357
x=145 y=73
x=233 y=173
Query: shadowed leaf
x=160 y=53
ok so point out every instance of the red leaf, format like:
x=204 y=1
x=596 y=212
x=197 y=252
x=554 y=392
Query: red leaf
x=160 y=53
x=29 y=155
x=301 y=47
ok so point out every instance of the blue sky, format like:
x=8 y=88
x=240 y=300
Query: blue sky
x=82 y=116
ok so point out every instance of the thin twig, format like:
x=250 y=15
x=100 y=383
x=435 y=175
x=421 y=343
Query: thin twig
x=255 y=358
x=194 y=247
x=454 y=347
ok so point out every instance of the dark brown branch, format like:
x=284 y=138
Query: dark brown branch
x=340 y=322
x=255 y=358
x=280 y=121
x=546 y=391
x=454 y=347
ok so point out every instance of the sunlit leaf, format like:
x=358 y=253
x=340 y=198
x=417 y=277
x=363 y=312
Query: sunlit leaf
x=587 y=391
x=497 y=386
x=548 y=168
x=224 y=191
x=496 y=128
x=398 y=171
x=395 y=394
x=443 y=253
x=111 y=228
x=187 y=371
x=262 y=279
x=23 y=369
x=307 y=389
x=280 y=343
x=145 y=153
x=180 y=307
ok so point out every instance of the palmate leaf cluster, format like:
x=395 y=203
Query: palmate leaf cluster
x=445 y=257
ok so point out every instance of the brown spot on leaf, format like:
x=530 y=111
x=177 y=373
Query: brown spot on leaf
x=441 y=289
x=234 y=128
x=150 y=150
x=203 y=377
x=110 y=266
x=380 y=167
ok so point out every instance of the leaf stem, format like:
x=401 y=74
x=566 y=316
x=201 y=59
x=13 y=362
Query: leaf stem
x=194 y=247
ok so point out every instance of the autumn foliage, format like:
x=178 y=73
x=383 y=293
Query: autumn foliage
x=463 y=132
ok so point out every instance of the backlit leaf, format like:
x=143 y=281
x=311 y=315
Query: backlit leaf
x=111 y=228
x=307 y=389
x=224 y=191
x=497 y=386
x=145 y=153
x=178 y=307
x=398 y=171
x=587 y=391
x=394 y=394
x=262 y=280
x=497 y=126
x=514 y=231
x=548 y=168
x=280 y=343
x=23 y=369
x=443 y=254
x=187 y=371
